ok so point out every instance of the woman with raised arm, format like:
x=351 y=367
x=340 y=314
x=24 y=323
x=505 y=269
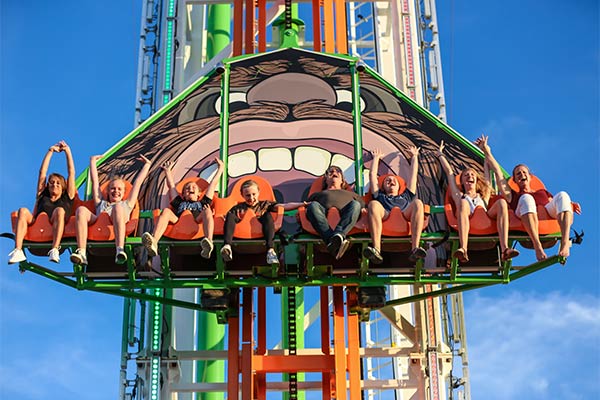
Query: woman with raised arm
x=524 y=203
x=118 y=208
x=55 y=198
x=475 y=191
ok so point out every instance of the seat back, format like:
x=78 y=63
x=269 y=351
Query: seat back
x=249 y=227
x=546 y=224
x=479 y=222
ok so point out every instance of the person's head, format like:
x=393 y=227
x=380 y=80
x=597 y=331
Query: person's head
x=334 y=178
x=56 y=184
x=250 y=192
x=522 y=176
x=390 y=185
x=116 y=190
x=190 y=191
x=469 y=179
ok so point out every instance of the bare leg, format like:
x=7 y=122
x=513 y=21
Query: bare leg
x=531 y=223
x=208 y=222
x=464 y=212
x=499 y=212
x=166 y=216
x=83 y=218
x=565 y=219
x=58 y=226
x=120 y=217
x=376 y=215
x=24 y=219
x=414 y=213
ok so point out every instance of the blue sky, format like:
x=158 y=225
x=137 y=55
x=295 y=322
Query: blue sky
x=524 y=72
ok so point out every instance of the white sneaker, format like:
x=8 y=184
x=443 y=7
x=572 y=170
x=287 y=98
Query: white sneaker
x=54 y=255
x=272 y=257
x=16 y=256
x=78 y=257
x=226 y=253
x=150 y=244
x=207 y=247
x=121 y=257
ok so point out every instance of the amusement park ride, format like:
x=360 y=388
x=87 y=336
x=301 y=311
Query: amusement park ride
x=280 y=91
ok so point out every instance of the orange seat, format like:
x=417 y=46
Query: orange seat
x=333 y=214
x=186 y=228
x=479 y=222
x=249 y=227
x=102 y=229
x=40 y=230
x=547 y=225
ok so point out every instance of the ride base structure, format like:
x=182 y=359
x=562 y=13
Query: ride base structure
x=208 y=327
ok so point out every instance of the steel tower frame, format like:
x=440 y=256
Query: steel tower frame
x=400 y=40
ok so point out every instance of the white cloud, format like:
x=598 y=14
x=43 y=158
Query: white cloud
x=527 y=345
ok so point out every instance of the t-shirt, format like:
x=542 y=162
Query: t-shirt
x=338 y=198
x=389 y=201
x=44 y=204
x=180 y=205
x=541 y=197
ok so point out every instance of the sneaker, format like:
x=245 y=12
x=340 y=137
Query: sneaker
x=16 y=256
x=54 y=255
x=272 y=257
x=150 y=244
x=334 y=244
x=121 y=257
x=78 y=257
x=416 y=254
x=373 y=255
x=207 y=247
x=343 y=247
x=226 y=253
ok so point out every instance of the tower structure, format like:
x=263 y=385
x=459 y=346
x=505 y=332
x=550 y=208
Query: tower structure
x=181 y=41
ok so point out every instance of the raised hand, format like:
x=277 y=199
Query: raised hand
x=482 y=143
x=143 y=158
x=167 y=166
x=377 y=153
x=414 y=150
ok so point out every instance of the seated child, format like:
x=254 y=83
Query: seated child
x=388 y=197
x=188 y=200
x=115 y=206
x=262 y=208
x=55 y=198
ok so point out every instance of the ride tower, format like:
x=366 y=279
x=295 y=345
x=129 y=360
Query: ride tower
x=398 y=39
x=281 y=91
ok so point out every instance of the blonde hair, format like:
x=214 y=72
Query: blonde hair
x=482 y=186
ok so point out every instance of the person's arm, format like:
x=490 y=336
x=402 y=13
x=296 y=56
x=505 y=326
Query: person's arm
x=210 y=190
x=167 y=166
x=139 y=179
x=411 y=183
x=96 y=195
x=71 y=188
x=292 y=205
x=373 y=178
x=501 y=182
x=41 y=184
x=456 y=192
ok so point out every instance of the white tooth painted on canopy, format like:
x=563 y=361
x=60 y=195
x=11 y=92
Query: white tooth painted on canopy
x=311 y=159
x=242 y=164
x=277 y=159
x=208 y=172
x=366 y=181
x=346 y=164
x=233 y=97
x=346 y=95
